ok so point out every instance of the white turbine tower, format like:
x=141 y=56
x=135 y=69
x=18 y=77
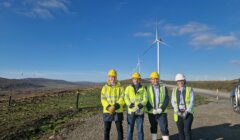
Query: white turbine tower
x=138 y=67
x=156 y=41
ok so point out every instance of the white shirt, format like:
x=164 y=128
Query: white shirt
x=157 y=94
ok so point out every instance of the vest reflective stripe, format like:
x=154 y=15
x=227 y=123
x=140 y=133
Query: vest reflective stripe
x=151 y=96
x=136 y=98
x=111 y=95
x=187 y=101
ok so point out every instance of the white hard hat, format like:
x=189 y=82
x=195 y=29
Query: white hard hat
x=179 y=77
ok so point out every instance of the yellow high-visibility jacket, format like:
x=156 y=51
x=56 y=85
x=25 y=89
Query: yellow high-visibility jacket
x=136 y=98
x=111 y=95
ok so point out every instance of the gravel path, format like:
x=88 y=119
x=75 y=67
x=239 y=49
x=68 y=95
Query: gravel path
x=212 y=121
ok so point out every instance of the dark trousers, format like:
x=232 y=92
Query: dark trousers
x=107 y=129
x=161 y=120
x=184 y=127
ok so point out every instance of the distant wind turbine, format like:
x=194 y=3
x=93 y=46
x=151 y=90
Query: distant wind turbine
x=156 y=41
x=138 y=67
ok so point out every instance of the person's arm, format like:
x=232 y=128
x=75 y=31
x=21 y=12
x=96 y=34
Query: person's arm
x=104 y=101
x=191 y=101
x=120 y=101
x=126 y=97
x=166 y=100
x=144 y=100
x=148 y=105
x=174 y=103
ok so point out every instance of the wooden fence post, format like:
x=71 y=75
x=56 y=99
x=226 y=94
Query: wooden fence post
x=77 y=100
x=10 y=101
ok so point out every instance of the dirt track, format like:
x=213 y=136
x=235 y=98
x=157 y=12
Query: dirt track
x=213 y=121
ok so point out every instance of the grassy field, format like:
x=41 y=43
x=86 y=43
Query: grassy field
x=33 y=117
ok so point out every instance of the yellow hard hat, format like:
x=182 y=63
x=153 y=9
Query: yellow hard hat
x=112 y=72
x=136 y=75
x=154 y=75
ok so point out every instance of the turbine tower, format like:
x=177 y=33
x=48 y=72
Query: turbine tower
x=156 y=41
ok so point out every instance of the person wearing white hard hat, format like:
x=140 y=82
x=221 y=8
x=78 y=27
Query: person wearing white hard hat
x=183 y=104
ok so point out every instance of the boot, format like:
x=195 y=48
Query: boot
x=165 y=137
x=154 y=136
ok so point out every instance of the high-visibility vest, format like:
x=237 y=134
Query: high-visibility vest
x=111 y=95
x=151 y=97
x=187 y=101
x=140 y=97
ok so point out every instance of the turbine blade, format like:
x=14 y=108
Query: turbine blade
x=156 y=35
x=162 y=42
x=149 y=48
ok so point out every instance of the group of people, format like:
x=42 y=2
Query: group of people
x=152 y=99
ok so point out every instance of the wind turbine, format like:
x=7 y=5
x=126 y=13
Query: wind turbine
x=138 y=67
x=157 y=41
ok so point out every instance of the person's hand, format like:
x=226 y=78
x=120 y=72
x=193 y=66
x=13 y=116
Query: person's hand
x=111 y=109
x=135 y=109
x=131 y=105
x=179 y=113
x=185 y=115
x=140 y=106
x=159 y=111
x=154 y=111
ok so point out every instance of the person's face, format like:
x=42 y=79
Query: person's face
x=136 y=81
x=112 y=79
x=155 y=81
x=180 y=83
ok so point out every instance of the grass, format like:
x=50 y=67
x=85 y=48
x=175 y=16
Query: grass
x=46 y=115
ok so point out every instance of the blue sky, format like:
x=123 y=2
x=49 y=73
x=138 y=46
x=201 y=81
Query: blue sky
x=80 y=40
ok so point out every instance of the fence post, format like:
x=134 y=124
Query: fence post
x=217 y=94
x=10 y=101
x=77 y=100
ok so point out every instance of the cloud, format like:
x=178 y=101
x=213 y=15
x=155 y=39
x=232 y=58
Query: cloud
x=235 y=62
x=6 y=4
x=189 y=28
x=142 y=34
x=53 y=4
x=214 y=40
x=38 y=8
x=201 y=35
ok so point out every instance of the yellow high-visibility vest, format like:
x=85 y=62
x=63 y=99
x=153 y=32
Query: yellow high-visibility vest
x=187 y=101
x=151 y=97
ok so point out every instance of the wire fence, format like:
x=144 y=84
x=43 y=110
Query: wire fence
x=25 y=117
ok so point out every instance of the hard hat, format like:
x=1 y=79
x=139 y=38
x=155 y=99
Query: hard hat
x=179 y=77
x=136 y=75
x=154 y=75
x=112 y=72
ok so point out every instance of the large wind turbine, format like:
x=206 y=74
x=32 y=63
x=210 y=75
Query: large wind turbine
x=156 y=41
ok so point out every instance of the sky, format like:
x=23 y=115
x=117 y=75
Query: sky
x=80 y=40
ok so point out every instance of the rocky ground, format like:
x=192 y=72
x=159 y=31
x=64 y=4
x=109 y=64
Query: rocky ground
x=212 y=121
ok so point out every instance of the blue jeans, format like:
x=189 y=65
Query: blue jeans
x=131 y=122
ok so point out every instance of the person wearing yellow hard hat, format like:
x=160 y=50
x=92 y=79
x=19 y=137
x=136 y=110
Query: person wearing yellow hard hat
x=135 y=99
x=112 y=99
x=158 y=101
x=183 y=105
